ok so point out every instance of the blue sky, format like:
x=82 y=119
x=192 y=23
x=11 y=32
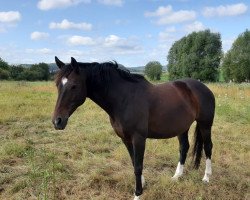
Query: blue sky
x=132 y=32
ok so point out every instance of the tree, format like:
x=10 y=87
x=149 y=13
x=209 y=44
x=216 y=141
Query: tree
x=196 y=56
x=4 y=74
x=153 y=70
x=236 y=63
x=35 y=72
x=16 y=72
x=4 y=69
x=39 y=72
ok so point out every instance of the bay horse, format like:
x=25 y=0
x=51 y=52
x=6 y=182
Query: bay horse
x=139 y=109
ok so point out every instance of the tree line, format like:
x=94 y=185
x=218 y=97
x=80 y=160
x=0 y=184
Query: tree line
x=199 y=55
x=36 y=72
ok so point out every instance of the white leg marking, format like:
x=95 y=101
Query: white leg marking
x=178 y=172
x=208 y=171
x=137 y=197
x=64 y=80
x=143 y=182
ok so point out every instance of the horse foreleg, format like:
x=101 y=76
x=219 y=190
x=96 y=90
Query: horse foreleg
x=139 y=148
x=184 y=146
x=130 y=149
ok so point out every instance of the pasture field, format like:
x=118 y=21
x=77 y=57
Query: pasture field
x=88 y=161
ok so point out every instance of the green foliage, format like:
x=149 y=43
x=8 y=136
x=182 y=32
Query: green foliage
x=4 y=70
x=236 y=64
x=153 y=70
x=4 y=74
x=16 y=72
x=40 y=71
x=35 y=72
x=3 y=65
x=196 y=56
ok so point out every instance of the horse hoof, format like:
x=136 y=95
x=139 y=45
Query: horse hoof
x=175 y=177
x=205 y=179
x=137 y=197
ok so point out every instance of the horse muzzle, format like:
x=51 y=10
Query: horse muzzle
x=60 y=123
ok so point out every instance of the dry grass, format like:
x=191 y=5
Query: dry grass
x=88 y=161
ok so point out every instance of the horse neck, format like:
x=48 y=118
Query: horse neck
x=107 y=95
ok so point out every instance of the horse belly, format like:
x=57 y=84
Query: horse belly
x=170 y=123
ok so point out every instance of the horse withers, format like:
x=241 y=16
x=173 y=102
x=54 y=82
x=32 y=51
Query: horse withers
x=139 y=110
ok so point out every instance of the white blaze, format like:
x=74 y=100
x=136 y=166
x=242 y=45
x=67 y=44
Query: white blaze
x=64 y=80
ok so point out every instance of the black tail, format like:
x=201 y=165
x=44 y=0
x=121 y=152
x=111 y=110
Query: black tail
x=198 y=146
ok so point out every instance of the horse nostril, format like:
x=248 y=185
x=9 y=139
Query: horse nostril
x=58 y=121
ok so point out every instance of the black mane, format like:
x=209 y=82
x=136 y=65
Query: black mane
x=100 y=72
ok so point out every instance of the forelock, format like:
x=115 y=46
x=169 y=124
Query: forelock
x=64 y=72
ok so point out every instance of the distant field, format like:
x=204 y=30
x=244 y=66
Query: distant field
x=88 y=161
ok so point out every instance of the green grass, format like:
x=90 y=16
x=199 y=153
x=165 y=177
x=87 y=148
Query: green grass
x=88 y=161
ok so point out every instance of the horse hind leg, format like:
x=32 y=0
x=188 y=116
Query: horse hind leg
x=208 y=145
x=184 y=146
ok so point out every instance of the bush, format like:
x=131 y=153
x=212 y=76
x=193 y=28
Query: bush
x=153 y=70
x=4 y=74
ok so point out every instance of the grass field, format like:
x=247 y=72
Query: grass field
x=88 y=161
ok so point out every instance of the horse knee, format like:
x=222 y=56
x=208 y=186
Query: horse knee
x=138 y=171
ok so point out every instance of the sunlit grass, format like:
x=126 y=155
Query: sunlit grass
x=88 y=161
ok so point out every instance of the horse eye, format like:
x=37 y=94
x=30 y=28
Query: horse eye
x=73 y=87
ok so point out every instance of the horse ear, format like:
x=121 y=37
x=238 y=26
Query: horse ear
x=59 y=63
x=75 y=65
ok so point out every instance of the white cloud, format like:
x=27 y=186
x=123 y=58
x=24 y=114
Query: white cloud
x=160 y=11
x=166 y=15
x=38 y=35
x=44 y=51
x=112 y=40
x=167 y=34
x=77 y=40
x=177 y=17
x=53 y=4
x=111 y=2
x=65 y=24
x=195 y=26
x=118 y=45
x=10 y=17
x=225 y=10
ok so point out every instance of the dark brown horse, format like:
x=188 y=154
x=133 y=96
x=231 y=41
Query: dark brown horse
x=139 y=110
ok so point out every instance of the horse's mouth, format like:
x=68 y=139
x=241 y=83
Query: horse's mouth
x=60 y=123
